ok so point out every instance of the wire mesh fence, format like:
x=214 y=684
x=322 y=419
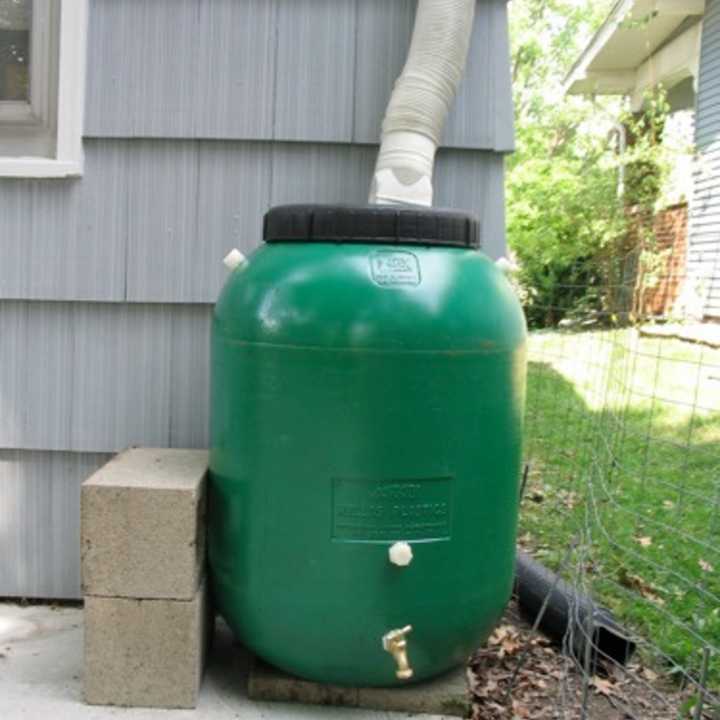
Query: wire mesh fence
x=622 y=500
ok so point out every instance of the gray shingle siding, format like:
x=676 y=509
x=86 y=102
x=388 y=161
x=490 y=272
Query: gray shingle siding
x=704 y=245
x=98 y=377
x=40 y=514
x=200 y=114
x=151 y=220
x=66 y=239
x=299 y=70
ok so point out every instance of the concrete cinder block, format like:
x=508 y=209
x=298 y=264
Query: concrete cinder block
x=145 y=653
x=447 y=695
x=143 y=533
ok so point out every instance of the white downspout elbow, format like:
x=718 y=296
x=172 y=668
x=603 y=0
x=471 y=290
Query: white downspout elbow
x=420 y=102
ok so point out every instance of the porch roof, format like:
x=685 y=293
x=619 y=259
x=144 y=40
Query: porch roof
x=642 y=43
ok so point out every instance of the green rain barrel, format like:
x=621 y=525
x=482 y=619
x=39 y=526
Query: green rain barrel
x=368 y=374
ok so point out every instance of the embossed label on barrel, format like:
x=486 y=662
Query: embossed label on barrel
x=371 y=510
x=392 y=267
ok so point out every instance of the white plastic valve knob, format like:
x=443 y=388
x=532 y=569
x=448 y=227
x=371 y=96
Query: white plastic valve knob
x=401 y=554
x=233 y=259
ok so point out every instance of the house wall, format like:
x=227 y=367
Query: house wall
x=704 y=244
x=664 y=234
x=200 y=114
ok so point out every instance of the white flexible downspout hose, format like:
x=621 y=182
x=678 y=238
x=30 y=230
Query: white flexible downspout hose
x=420 y=102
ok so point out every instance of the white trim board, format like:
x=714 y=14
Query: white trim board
x=37 y=167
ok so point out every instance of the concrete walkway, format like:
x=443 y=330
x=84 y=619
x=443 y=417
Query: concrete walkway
x=41 y=677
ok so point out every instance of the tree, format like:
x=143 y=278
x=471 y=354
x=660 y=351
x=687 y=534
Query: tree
x=563 y=205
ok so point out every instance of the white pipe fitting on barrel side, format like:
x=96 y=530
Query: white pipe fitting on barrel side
x=234 y=259
x=420 y=102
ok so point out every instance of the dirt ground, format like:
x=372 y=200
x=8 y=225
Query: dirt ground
x=521 y=674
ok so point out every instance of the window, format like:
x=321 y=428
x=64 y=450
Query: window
x=42 y=59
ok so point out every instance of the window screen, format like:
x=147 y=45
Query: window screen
x=15 y=17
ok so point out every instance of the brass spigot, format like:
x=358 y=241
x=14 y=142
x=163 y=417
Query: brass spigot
x=395 y=643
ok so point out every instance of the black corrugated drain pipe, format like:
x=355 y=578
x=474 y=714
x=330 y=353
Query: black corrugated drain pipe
x=569 y=617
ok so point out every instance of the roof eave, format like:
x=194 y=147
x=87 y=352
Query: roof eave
x=604 y=33
x=585 y=78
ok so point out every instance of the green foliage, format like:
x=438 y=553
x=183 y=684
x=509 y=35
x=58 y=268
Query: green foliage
x=563 y=209
x=645 y=161
x=547 y=36
x=566 y=218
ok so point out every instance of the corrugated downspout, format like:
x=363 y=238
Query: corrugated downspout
x=420 y=102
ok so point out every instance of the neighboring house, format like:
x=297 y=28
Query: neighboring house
x=676 y=44
x=120 y=195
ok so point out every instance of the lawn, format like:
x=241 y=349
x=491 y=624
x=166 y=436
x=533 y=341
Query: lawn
x=623 y=442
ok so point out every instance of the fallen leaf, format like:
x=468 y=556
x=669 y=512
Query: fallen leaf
x=635 y=582
x=648 y=674
x=570 y=500
x=645 y=541
x=602 y=687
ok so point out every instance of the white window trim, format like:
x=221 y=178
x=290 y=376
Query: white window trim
x=68 y=158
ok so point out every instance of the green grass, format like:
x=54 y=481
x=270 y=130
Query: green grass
x=623 y=440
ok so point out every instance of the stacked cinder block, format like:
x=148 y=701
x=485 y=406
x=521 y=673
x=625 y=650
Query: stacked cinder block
x=147 y=618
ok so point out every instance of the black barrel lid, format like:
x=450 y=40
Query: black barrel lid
x=386 y=224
